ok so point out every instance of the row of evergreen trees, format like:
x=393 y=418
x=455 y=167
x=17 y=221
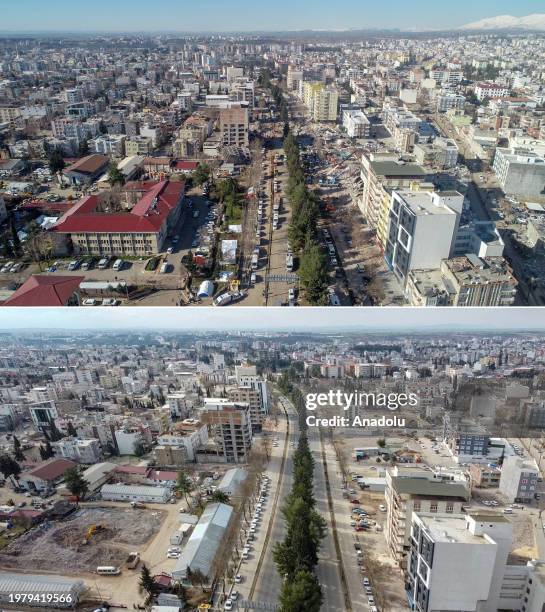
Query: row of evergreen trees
x=296 y=556
x=305 y=211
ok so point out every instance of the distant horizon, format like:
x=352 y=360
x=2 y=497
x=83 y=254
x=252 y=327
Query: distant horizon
x=242 y=16
x=295 y=320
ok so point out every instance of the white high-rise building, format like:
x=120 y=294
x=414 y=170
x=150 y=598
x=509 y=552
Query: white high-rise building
x=422 y=230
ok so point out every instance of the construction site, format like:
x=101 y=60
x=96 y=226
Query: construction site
x=90 y=537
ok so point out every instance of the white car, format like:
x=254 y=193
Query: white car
x=238 y=578
x=173 y=555
x=233 y=596
x=90 y=302
x=228 y=605
x=382 y=508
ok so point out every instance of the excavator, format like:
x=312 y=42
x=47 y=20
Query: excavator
x=91 y=531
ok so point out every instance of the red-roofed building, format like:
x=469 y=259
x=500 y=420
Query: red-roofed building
x=185 y=166
x=45 y=476
x=142 y=230
x=87 y=169
x=41 y=290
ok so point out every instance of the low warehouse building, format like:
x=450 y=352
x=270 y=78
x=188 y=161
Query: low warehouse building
x=40 y=591
x=122 y=492
x=232 y=480
x=202 y=546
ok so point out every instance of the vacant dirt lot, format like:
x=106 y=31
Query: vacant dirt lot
x=59 y=547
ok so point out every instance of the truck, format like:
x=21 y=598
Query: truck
x=133 y=560
x=138 y=505
x=255 y=258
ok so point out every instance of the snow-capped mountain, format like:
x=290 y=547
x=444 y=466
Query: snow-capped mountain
x=508 y=22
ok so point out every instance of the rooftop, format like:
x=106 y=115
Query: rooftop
x=41 y=290
x=146 y=216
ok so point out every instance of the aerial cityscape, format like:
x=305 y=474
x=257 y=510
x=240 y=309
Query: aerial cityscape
x=186 y=469
x=383 y=166
x=373 y=175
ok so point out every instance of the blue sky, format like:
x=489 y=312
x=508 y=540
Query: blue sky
x=229 y=15
x=285 y=319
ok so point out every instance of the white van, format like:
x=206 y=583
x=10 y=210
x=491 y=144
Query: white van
x=118 y=264
x=108 y=570
x=103 y=263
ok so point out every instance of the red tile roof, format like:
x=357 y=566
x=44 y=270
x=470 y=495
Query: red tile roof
x=146 y=216
x=41 y=290
x=51 y=469
x=186 y=165
x=162 y=475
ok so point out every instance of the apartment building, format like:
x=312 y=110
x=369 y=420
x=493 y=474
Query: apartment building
x=248 y=378
x=43 y=414
x=190 y=434
x=112 y=144
x=294 y=78
x=490 y=90
x=321 y=101
x=422 y=230
x=448 y=100
x=519 y=477
x=230 y=427
x=380 y=175
x=458 y=562
x=356 y=124
x=520 y=171
x=480 y=281
x=410 y=490
x=442 y=153
x=87 y=452
x=192 y=135
x=468 y=447
x=140 y=231
x=484 y=476
x=234 y=125
x=139 y=145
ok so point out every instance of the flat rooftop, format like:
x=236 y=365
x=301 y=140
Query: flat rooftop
x=421 y=203
x=452 y=529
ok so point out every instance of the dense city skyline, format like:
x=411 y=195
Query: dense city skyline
x=212 y=15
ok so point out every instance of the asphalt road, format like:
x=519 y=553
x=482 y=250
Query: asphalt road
x=269 y=582
x=328 y=564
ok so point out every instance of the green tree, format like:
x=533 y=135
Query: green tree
x=146 y=583
x=183 y=486
x=302 y=594
x=115 y=176
x=9 y=467
x=219 y=497
x=201 y=174
x=56 y=162
x=75 y=483
x=381 y=443
x=139 y=449
x=16 y=243
x=17 y=450
x=313 y=275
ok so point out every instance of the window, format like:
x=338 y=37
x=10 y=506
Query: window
x=433 y=507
